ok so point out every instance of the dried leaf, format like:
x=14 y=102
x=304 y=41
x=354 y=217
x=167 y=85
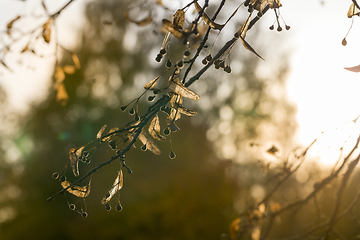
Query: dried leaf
x=142 y=22
x=61 y=96
x=74 y=155
x=150 y=144
x=81 y=192
x=248 y=47
x=353 y=10
x=47 y=30
x=9 y=25
x=176 y=100
x=186 y=111
x=178 y=33
x=69 y=69
x=151 y=85
x=353 y=69
x=154 y=129
x=243 y=29
x=177 y=87
x=207 y=20
x=179 y=19
x=274 y=4
x=173 y=116
x=273 y=150
x=76 y=61
x=117 y=185
x=101 y=131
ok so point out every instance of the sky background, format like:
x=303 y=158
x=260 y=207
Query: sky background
x=326 y=95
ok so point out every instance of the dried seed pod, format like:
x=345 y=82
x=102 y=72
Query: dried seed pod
x=163 y=51
x=112 y=145
x=227 y=69
x=107 y=206
x=204 y=61
x=271 y=27
x=137 y=118
x=279 y=29
x=180 y=64
x=222 y=64
x=158 y=58
x=168 y=63
x=209 y=57
x=166 y=131
x=132 y=111
x=172 y=155
x=72 y=206
x=151 y=98
x=62 y=178
x=55 y=175
x=123 y=108
x=84 y=214
x=118 y=207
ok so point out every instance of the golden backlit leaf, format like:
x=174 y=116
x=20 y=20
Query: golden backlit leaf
x=207 y=20
x=69 y=69
x=273 y=150
x=101 y=131
x=173 y=30
x=76 y=60
x=117 y=185
x=150 y=144
x=47 y=30
x=353 y=69
x=74 y=155
x=61 y=96
x=353 y=11
x=234 y=228
x=177 y=87
x=142 y=22
x=9 y=25
x=151 y=85
x=179 y=19
x=248 y=47
x=81 y=192
x=154 y=129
